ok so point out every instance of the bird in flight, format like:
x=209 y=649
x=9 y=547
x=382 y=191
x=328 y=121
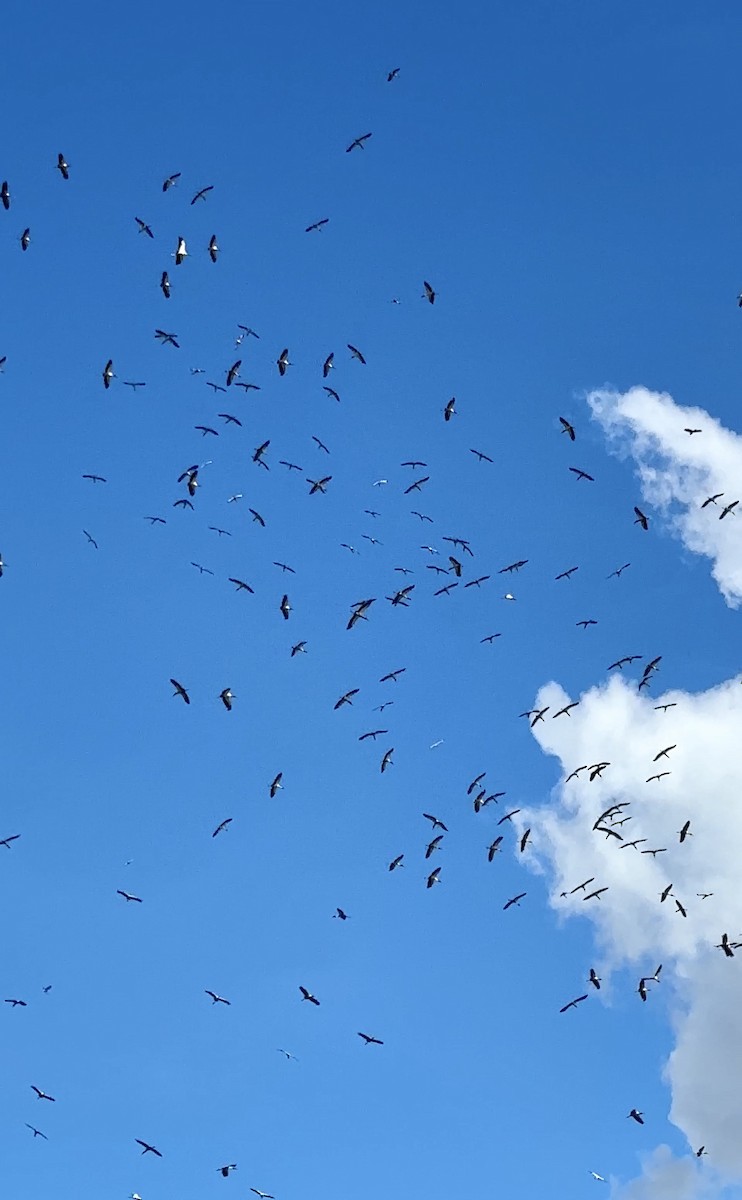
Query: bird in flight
x=276 y=785
x=128 y=896
x=515 y=900
x=36 y=1132
x=358 y=143
x=63 y=166
x=641 y=519
x=573 y=1003
x=370 y=1041
x=148 y=1149
x=42 y=1095
x=317 y=225
x=180 y=691
x=636 y=1116
x=222 y=826
x=203 y=193
x=428 y=294
x=216 y=999
x=581 y=474
x=306 y=995
x=567 y=428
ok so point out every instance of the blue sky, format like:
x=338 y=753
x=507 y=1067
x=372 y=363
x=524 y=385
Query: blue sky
x=567 y=179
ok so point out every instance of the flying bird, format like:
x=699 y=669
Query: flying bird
x=128 y=896
x=305 y=995
x=358 y=142
x=573 y=1003
x=63 y=166
x=180 y=691
x=147 y=1148
x=428 y=294
x=641 y=519
x=317 y=225
x=370 y=1041
x=216 y=999
x=171 y=181
x=567 y=428
x=203 y=193
x=222 y=826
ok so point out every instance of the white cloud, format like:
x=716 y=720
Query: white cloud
x=615 y=723
x=678 y=472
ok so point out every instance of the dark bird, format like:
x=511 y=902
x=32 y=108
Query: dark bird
x=346 y=698
x=436 y=824
x=712 y=499
x=450 y=409
x=230 y=419
x=396 y=862
x=593 y=979
x=567 y=574
x=680 y=908
x=370 y=1041
x=180 y=691
x=508 y=816
x=91 y=539
x=636 y=1116
x=482 y=457
x=641 y=519
x=143 y=227
x=524 y=840
x=95 y=478
x=262 y=1195
x=171 y=181
x=317 y=225
x=331 y=392
x=642 y=989
x=566 y=709
x=225 y=1170
x=428 y=294
x=664 y=753
x=222 y=826
x=582 y=474
x=573 y=1003
x=319 y=485
x=515 y=900
x=728 y=509
x=41 y=1095
x=340 y=915
x=108 y=373
x=685 y=832
x=584 y=624
x=305 y=995
x=692 y=431
x=276 y=785
x=36 y=1132
x=284 y=567
x=285 y=607
x=595 y=895
x=215 y=999
x=387 y=760
x=581 y=886
x=514 y=566
x=433 y=877
x=203 y=193
x=392 y=75
x=299 y=648
x=6 y=841
x=619 y=570
x=355 y=353
x=327 y=365
x=25 y=239
x=725 y=945
x=165 y=285
x=393 y=675
x=215 y=387
x=227 y=696
x=147 y=1148
x=63 y=166
x=5 y=195
x=180 y=251
x=493 y=848
x=358 y=142
x=233 y=372
x=433 y=845
x=489 y=638
x=206 y=429
x=128 y=896
x=213 y=248
x=17 y=1003
x=241 y=586
x=320 y=445
x=567 y=428
x=167 y=339
x=259 y=452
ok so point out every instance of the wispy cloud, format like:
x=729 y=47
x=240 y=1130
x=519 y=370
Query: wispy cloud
x=616 y=724
x=678 y=471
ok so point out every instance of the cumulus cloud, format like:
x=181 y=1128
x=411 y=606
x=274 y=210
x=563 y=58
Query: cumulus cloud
x=616 y=724
x=678 y=471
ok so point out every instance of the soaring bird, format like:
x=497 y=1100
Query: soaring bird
x=582 y=474
x=450 y=409
x=5 y=195
x=180 y=251
x=226 y=1169
x=63 y=166
x=636 y=1116
x=241 y=586
x=171 y=181
x=128 y=896
x=213 y=248
x=433 y=846
x=262 y=1195
x=108 y=373
x=36 y=1132
x=573 y=1003
x=728 y=509
x=285 y=607
x=387 y=760
x=276 y=785
x=203 y=193
x=180 y=691
x=685 y=832
x=143 y=227
x=165 y=285
x=370 y=1041
x=433 y=877
x=42 y=1095
x=226 y=696
x=346 y=698
x=147 y=1148
x=233 y=372
x=567 y=428
x=317 y=225
x=17 y=1003
x=358 y=142
x=515 y=900
x=305 y=995
x=319 y=485
x=282 y=362
x=428 y=294
x=340 y=915
x=222 y=826
x=6 y=841
x=641 y=519
x=355 y=353
x=493 y=848
x=593 y=979
x=215 y=999
x=25 y=238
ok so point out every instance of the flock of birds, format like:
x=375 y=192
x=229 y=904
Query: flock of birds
x=450 y=570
